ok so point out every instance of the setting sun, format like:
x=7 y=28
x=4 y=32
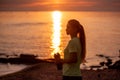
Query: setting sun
x=56 y=15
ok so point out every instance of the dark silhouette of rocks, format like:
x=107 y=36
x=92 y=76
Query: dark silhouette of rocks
x=24 y=59
x=108 y=62
x=116 y=65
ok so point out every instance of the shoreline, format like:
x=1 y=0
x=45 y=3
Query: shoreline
x=18 y=66
x=48 y=71
x=11 y=68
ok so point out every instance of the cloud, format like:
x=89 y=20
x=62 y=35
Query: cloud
x=105 y=5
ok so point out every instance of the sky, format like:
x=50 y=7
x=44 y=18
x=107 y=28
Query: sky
x=65 y=5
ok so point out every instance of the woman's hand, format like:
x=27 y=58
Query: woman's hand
x=58 y=61
x=57 y=57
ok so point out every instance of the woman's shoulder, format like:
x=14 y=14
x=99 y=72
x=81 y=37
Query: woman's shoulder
x=74 y=40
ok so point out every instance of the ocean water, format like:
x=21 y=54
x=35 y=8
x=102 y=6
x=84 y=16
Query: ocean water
x=43 y=33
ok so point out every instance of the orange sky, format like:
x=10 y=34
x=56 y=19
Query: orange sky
x=86 y=5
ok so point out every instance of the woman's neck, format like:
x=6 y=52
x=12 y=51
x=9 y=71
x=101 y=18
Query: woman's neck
x=72 y=36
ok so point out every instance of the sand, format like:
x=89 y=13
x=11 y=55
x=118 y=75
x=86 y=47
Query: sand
x=48 y=71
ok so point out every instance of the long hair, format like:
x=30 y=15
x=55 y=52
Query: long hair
x=74 y=23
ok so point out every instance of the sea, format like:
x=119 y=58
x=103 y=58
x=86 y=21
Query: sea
x=43 y=33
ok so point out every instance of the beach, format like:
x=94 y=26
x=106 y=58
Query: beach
x=48 y=71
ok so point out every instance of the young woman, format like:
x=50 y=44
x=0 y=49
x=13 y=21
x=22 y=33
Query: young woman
x=74 y=53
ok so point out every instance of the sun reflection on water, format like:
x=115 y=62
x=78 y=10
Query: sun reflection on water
x=56 y=16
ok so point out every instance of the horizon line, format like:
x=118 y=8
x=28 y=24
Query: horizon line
x=67 y=10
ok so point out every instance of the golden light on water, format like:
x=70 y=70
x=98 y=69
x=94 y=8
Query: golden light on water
x=56 y=16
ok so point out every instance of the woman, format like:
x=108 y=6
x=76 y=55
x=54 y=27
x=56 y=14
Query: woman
x=74 y=53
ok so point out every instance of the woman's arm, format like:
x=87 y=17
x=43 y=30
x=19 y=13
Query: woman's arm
x=72 y=58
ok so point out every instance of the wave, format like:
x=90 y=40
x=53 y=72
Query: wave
x=24 y=24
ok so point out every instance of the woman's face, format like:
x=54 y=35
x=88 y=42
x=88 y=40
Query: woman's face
x=70 y=29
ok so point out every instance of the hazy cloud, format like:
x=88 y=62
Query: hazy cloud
x=105 y=5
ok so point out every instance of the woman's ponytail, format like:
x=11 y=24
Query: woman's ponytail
x=83 y=42
x=82 y=37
